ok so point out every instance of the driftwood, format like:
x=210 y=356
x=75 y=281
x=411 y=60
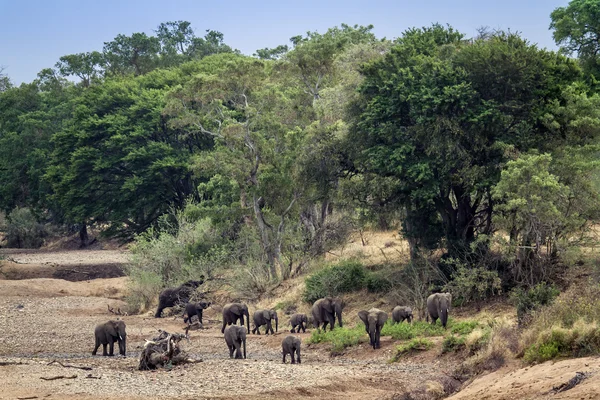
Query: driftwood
x=52 y=378
x=69 y=365
x=163 y=351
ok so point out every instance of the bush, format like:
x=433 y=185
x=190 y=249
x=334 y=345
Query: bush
x=417 y=344
x=404 y=331
x=340 y=338
x=526 y=301
x=464 y=327
x=344 y=277
x=453 y=343
x=23 y=229
x=376 y=282
x=472 y=284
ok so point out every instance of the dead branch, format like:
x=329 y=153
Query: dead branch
x=52 y=378
x=90 y=376
x=162 y=351
x=69 y=365
x=5 y=363
x=27 y=398
x=117 y=312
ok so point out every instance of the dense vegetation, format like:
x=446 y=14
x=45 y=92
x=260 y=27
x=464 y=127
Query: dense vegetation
x=483 y=151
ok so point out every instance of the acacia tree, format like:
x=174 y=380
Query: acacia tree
x=442 y=115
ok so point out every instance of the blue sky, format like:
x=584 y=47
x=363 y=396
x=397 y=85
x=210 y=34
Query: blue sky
x=35 y=34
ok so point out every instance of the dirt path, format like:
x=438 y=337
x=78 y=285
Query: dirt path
x=47 y=319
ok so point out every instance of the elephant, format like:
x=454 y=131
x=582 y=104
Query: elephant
x=401 y=313
x=235 y=337
x=192 y=309
x=234 y=311
x=173 y=296
x=264 y=317
x=325 y=310
x=107 y=334
x=291 y=345
x=300 y=321
x=438 y=306
x=374 y=320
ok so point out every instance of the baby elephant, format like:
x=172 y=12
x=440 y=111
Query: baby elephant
x=235 y=337
x=264 y=317
x=192 y=309
x=300 y=321
x=109 y=333
x=401 y=313
x=291 y=345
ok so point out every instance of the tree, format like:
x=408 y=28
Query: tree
x=577 y=31
x=4 y=80
x=212 y=43
x=136 y=54
x=442 y=115
x=271 y=54
x=85 y=66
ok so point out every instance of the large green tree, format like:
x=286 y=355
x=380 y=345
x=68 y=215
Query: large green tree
x=442 y=115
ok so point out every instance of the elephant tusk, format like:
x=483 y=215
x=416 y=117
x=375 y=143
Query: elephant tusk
x=120 y=337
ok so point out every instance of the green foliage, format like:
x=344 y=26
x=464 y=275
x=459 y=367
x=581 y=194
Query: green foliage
x=339 y=338
x=415 y=345
x=472 y=284
x=344 y=277
x=453 y=343
x=22 y=229
x=583 y=339
x=404 y=331
x=463 y=327
x=377 y=282
x=528 y=300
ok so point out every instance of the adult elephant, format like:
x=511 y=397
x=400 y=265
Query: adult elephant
x=374 y=319
x=264 y=317
x=179 y=295
x=325 y=310
x=233 y=312
x=107 y=334
x=438 y=306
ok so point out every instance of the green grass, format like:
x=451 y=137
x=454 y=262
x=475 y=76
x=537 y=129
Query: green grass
x=405 y=331
x=414 y=345
x=453 y=343
x=340 y=338
x=463 y=327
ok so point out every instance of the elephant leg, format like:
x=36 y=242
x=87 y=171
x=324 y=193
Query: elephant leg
x=199 y=314
x=111 y=347
x=231 y=349
x=433 y=320
x=104 y=353
x=223 y=327
x=96 y=346
x=269 y=328
x=298 y=355
x=159 y=309
x=284 y=354
x=293 y=330
x=238 y=350
x=331 y=322
x=292 y=355
x=242 y=320
x=303 y=328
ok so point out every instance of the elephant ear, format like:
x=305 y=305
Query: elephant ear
x=266 y=314
x=382 y=317
x=364 y=316
x=327 y=305
x=112 y=327
x=236 y=308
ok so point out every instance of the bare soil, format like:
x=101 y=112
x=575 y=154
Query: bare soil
x=47 y=319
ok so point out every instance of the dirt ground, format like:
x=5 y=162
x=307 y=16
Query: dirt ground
x=47 y=321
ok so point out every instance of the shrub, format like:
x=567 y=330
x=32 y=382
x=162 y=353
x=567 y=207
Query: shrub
x=414 y=345
x=340 y=338
x=23 y=229
x=376 y=282
x=472 y=284
x=453 y=343
x=344 y=277
x=532 y=299
x=404 y=331
x=464 y=327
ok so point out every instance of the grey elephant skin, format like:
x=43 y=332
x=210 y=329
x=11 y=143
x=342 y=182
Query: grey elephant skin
x=196 y=309
x=233 y=312
x=174 y=296
x=374 y=319
x=264 y=317
x=291 y=345
x=401 y=313
x=438 y=306
x=107 y=334
x=235 y=337
x=299 y=321
x=325 y=310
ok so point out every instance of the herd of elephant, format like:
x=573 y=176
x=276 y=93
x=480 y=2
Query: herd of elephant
x=324 y=312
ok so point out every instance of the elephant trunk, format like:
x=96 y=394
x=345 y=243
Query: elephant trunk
x=444 y=316
x=247 y=323
x=122 y=345
x=338 y=312
x=244 y=344
x=276 y=323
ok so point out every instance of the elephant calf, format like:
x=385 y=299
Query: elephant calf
x=291 y=346
x=192 y=309
x=438 y=306
x=264 y=317
x=109 y=333
x=235 y=337
x=374 y=320
x=300 y=321
x=401 y=313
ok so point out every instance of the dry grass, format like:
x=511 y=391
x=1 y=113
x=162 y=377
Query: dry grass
x=373 y=248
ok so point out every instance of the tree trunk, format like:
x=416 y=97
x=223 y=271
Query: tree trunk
x=83 y=235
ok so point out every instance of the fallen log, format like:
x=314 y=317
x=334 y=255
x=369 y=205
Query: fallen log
x=163 y=351
x=52 y=378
